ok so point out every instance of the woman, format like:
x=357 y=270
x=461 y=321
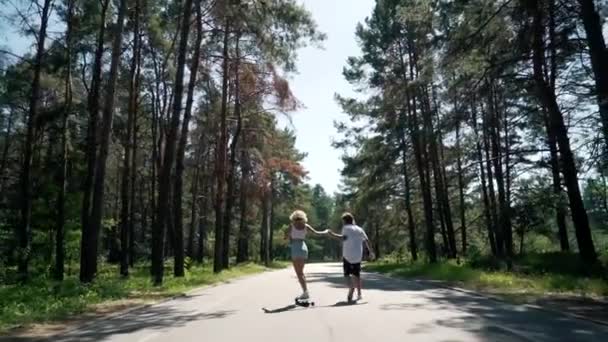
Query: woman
x=299 y=251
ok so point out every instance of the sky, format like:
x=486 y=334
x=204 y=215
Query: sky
x=319 y=77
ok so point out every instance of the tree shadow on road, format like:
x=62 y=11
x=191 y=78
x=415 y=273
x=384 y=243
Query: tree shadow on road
x=371 y=281
x=293 y=306
x=494 y=320
x=155 y=318
x=488 y=319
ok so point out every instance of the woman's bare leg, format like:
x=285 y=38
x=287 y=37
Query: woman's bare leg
x=298 y=265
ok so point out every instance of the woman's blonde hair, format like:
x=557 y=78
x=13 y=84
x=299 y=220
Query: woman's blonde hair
x=298 y=215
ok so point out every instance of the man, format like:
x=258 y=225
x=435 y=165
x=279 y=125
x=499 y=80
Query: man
x=353 y=238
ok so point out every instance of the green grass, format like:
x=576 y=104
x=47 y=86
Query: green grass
x=535 y=282
x=43 y=300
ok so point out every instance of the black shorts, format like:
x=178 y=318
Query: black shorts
x=351 y=269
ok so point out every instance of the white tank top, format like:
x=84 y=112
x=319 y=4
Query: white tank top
x=298 y=234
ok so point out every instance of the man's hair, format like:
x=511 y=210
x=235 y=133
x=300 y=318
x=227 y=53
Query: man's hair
x=348 y=218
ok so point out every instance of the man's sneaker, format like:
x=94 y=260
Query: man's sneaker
x=359 y=297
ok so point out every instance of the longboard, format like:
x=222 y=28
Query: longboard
x=301 y=303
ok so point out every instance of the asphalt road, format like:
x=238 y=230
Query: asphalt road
x=392 y=310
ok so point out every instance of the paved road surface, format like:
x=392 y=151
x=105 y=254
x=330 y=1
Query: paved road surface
x=392 y=310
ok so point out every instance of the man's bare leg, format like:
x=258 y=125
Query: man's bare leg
x=357 y=281
x=351 y=287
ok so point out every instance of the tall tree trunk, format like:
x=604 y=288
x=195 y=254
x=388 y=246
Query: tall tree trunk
x=484 y=187
x=411 y=224
x=193 y=212
x=93 y=106
x=271 y=206
x=59 y=269
x=100 y=166
x=25 y=231
x=508 y=225
x=203 y=220
x=242 y=253
x=492 y=193
x=220 y=170
x=181 y=148
x=194 y=190
x=164 y=208
x=504 y=217
x=127 y=187
x=447 y=228
x=560 y=210
x=5 y=149
x=264 y=231
x=421 y=162
x=424 y=186
x=549 y=100
x=230 y=197
x=135 y=100
x=599 y=55
x=134 y=207
x=463 y=209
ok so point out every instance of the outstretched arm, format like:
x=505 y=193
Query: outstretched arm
x=316 y=232
x=334 y=235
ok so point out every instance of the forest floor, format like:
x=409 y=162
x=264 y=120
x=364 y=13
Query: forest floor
x=549 y=281
x=44 y=307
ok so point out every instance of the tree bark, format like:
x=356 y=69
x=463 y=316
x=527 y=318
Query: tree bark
x=59 y=269
x=193 y=212
x=421 y=162
x=230 y=198
x=484 y=187
x=25 y=231
x=203 y=220
x=181 y=149
x=220 y=170
x=5 y=149
x=271 y=206
x=134 y=164
x=164 y=217
x=242 y=254
x=599 y=55
x=549 y=100
x=100 y=165
x=93 y=107
x=447 y=228
x=560 y=210
x=411 y=224
x=492 y=193
x=127 y=187
x=463 y=223
x=504 y=217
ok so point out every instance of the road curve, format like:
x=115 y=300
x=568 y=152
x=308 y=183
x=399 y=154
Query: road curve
x=392 y=310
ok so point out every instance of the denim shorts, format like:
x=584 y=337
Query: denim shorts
x=298 y=249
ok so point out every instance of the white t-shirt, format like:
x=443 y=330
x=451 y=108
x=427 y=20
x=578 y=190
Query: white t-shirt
x=352 y=245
